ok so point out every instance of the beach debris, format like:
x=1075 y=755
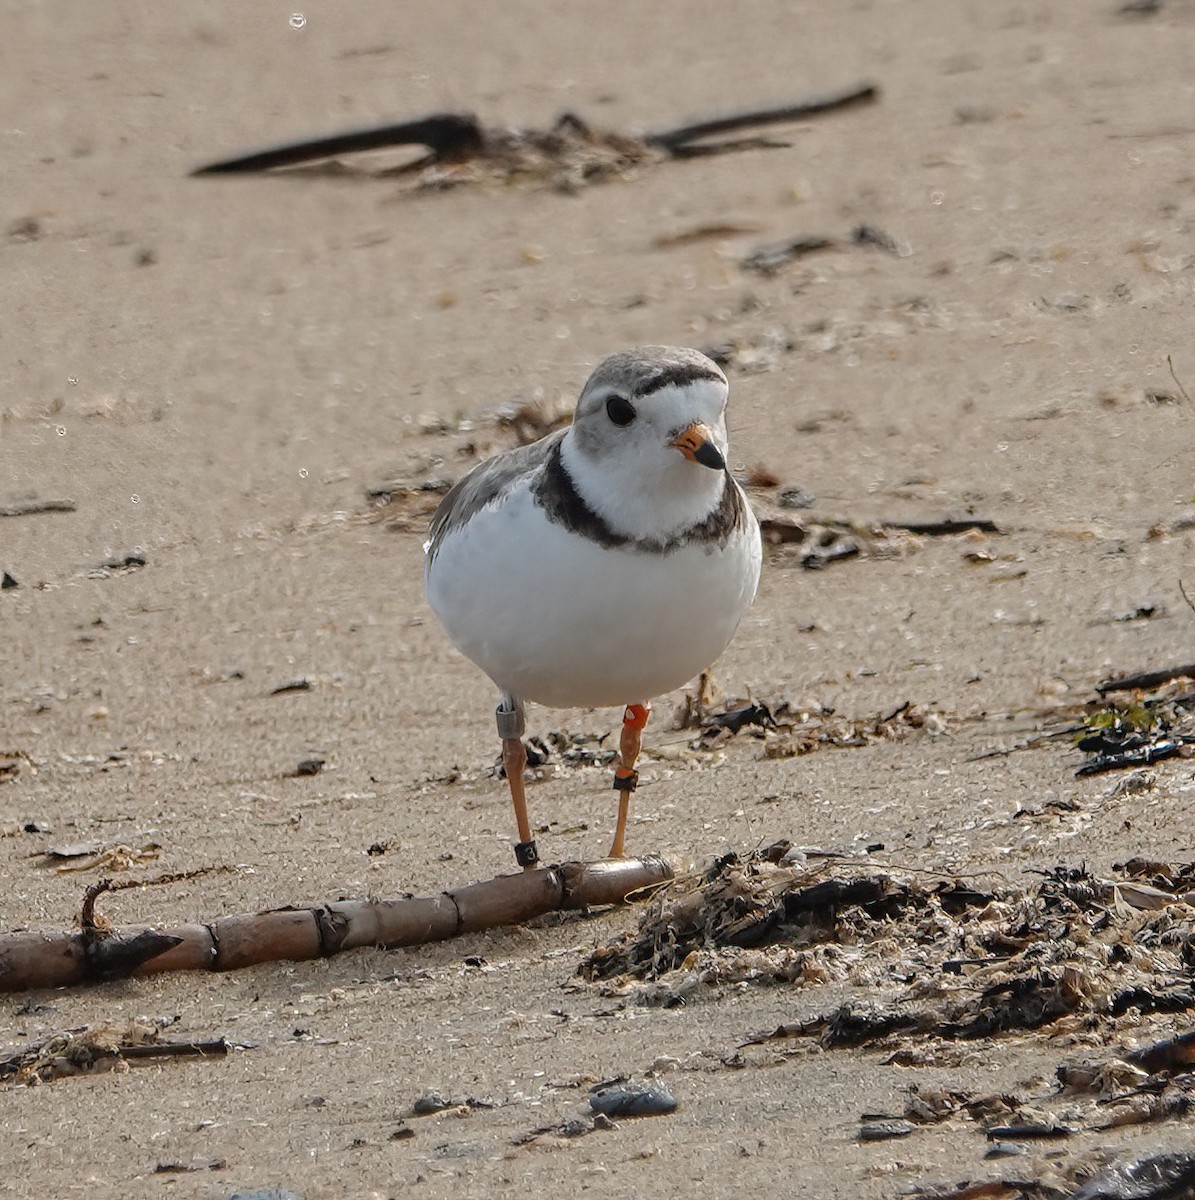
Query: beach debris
x=95 y=856
x=987 y=1189
x=734 y=717
x=1168 y=1176
x=770 y=258
x=1146 y=681
x=269 y=1193
x=174 y=1166
x=567 y=156
x=26 y=508
x=292 y=685
x=1167 y=1055
x=1004 y=1150
x=101 y=1047
x=433 y=1102
x=98 y=952
x=821 y=541
x=12 y=763
x=1140 y=730
x=626 y=1099
x=943 y=959
x=883 y=1129
x=1029 y=1129
x=795 y=497
x=122 y=564
x=574 y=1127
x=402 y=508
x=530 y=420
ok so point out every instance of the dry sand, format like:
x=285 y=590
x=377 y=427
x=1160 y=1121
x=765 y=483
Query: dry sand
x=215 y=371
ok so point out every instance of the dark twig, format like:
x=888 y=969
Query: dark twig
x=25 y=508
x=1146 y=680
x=1178 y=382
x=447 y=136
x=769 y=258
x=92 y=925
x=946 y=527
x=673 y=140
x=1183 y=590
x=217 y=1048
x=1141 y=757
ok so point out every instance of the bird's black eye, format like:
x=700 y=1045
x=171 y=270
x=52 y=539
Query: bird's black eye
x=620 y=410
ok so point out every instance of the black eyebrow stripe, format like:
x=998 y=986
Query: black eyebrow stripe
x=677 y=375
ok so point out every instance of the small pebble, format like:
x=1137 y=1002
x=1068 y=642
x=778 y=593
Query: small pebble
x=795 y=497
x=266 y=1194
x=1004 y=1150
x=133 y=560
x=1029 y=1130
x=8 y=581
x=431 y=1102
x=881 y=1131
x=633 y=1100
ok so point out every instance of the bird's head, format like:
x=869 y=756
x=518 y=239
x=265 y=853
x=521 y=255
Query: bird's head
x=647 y=447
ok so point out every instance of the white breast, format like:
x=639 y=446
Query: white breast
x=556 y=618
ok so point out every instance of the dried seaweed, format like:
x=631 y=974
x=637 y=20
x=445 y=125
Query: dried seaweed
x=1166 y=1176
x=1140 y=730
x=941 y=957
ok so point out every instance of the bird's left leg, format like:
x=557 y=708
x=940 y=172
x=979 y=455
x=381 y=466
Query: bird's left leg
x=634 y=720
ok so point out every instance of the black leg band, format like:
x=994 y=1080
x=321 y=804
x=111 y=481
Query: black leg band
x=626 y=782
x=526 y=854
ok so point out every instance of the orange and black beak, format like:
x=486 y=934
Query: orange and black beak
x=697 y=444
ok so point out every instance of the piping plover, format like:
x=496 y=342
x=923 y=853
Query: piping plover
x=605 y=564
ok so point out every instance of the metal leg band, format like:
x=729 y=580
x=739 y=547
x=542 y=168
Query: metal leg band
x=512 y=723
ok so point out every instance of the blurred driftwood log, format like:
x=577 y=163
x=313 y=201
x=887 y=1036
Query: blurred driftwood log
x=97 y=952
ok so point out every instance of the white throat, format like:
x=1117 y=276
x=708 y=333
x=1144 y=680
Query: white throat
x=640 y=498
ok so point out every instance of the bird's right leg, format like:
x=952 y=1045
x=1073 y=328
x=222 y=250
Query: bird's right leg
x=512 y=724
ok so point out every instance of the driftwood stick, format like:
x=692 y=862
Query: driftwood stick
x=31 y=959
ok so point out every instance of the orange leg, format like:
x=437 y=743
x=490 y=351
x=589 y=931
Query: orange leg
x=511 y=727
x=634 y=720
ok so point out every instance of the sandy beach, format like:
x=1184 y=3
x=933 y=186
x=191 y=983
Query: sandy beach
x=218 y=373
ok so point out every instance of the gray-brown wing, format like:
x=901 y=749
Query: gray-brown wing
x=487 y=482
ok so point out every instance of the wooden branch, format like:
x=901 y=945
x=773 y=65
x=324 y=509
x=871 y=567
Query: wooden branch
x=30 y=959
